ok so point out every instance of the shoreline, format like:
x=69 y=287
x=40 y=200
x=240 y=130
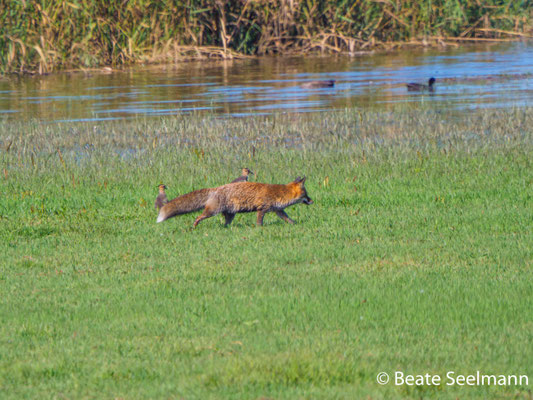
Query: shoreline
x=215 y=55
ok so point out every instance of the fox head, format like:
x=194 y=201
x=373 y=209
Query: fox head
x=303 y=197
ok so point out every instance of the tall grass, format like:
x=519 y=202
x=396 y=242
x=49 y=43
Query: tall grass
x=47 y=35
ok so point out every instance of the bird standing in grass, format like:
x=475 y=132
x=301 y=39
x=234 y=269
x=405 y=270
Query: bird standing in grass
x=420 y=87
x=161 y=199
x=244 y=176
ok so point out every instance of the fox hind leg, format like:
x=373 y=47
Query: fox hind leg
x=229 y=218
x=260 y=215
x=283 y=215
x=208 y=212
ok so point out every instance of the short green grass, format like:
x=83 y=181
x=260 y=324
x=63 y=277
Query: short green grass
x=416 y=257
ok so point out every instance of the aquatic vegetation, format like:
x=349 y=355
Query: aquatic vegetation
x=43 y=36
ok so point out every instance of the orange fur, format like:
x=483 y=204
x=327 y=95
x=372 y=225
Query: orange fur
x=239 y=197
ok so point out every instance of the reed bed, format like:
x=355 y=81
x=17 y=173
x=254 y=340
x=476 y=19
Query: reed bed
x=44 y=36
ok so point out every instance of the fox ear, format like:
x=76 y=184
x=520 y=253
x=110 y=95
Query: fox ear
x=300 y=180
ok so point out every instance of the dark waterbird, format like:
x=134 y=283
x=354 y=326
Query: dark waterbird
x=420 y=87
x=318 y=84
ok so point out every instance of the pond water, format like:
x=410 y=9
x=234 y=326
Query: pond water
x=467 y=77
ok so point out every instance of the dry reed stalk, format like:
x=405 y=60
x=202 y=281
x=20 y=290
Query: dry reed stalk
x=45 y=36
x=462 y=39
x=521 y=34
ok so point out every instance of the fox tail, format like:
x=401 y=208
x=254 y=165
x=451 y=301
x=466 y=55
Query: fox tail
x=184 y=204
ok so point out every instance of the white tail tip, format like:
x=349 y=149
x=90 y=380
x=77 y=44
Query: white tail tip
x=160 y=218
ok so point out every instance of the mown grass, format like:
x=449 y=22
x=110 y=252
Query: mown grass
x=416 y=256
x=44 y=36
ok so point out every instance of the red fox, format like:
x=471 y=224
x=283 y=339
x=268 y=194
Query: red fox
x=236 y=198
x=161 y=199
x=244 y=176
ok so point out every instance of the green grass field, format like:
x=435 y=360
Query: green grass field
x=416 y=257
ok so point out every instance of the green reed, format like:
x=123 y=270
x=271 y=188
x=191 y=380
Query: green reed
x=43 y=36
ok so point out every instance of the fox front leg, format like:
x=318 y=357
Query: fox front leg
x=229 y=218
x=283 y=215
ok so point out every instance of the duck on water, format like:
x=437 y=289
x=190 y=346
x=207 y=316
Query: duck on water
x=318 y=84
x=420 y=87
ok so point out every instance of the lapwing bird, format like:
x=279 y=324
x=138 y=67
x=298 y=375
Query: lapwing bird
x=161 y=199
x=244 y=176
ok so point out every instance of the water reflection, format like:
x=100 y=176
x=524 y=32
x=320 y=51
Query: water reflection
x=486 y=76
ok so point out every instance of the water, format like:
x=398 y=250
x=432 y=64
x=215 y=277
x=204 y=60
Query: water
x=467 y=77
